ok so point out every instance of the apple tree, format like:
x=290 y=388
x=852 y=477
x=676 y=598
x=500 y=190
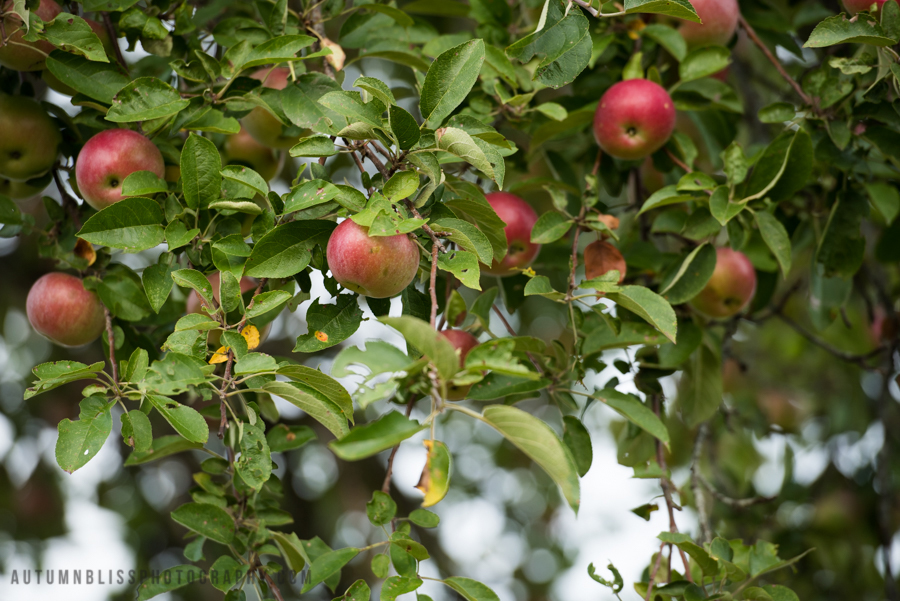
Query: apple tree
x=679 y=214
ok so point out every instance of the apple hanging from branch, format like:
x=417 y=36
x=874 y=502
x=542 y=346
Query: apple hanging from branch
x=520 y=219
x=61 y=309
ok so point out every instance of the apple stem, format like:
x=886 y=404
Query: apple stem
x=778 y=66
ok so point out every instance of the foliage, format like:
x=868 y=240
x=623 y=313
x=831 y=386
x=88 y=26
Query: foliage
x=796 y=168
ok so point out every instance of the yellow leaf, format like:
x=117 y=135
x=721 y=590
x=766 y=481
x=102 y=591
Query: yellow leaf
x=220 y=356
x=251 y=335
x=435 y=480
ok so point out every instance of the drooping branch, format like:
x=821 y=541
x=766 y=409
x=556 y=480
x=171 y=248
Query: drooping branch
x=751 y=33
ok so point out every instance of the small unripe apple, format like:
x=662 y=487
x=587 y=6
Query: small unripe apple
x=17 y=54
x=242 y=149
x=855 y=6
x=600 y=258
x=462 y=342
x=720 y=20
x=23 y=190
x=520 y=219
x=374 y=266
x=634 y=119
x=29 y=138
x=108 y=158
x=260 y=123
x=61 y=309
x=731 y=287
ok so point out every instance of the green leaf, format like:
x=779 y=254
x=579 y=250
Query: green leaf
x=80 y=441
x=562 y=42
x=709 y=565
x=136 y=430
x=186 y=421
x=309 y=194
x=449 y=80
x=423 y=337
x=578 y=440
x=206 y=520
x=283 y=438
x=550 y=227
x=704 y=62
x=372 y=438
x=316 y=382
x=424 y=518
x=292 y=550
x=682 y=284
x=359 y=590
x=648 y=305
x=381 y=508
x=395 y=586
x=143 y=183
x=722 y=207
x=350 y=104
x=783 y=169
x=379 y=357
x=776 y=238
x=193 y=279
x=700 y=389
x=460 y=144
x=681 y=9
x=778 y=112
x=863 y=29
x=267 y=301
x=464 y=265
x=632 y=409
x=73 y=34
x=497 y=386
x=255 y=463
x=314 y=147
x=886 y=200
x=132 y=224
x=535 y=438
x=330 y=324
x=100 y=81
x=471 y=590
x=177 y=235
x=327 y=565
x=322 y=410
x=402 y=184
x=201 y=164
x=301 y=106
x=664 y=197
x=169 y=580
x=163 y=447
x=246 y=176
x=144 y=99
x=287 y=249
x=281 y=49
x=223 y=573
x=667 y=37
x=404 y=127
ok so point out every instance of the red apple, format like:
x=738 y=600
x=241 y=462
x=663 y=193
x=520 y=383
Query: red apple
x=634 y=119
x=17 y=54
x=462 y=342
x=260 y=123
x=720 y=20
x=60 y=308
x=602 y=257
x=731 y=287
x=242 y=149
x=29 y=138
x=855 y=6
x=374 y=266
x=108 y=158
x=520 y=219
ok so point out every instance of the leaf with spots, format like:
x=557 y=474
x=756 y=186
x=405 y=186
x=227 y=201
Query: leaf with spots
x=255 y=462
x=330 y=324
x=207 y=520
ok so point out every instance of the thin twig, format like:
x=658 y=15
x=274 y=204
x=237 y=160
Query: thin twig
x=427 y=228
x=678 y=161
x=69 y=203
x=226 y=382
x=114 y=40
x=375 y=160
x=111 y=339
x=730 y=501
x=433 y=283
x=386 y=487
x=655 y=569
x=849 y=357
x=699 y=499
x=272 y=586
x=574 y=261
x=778 y=66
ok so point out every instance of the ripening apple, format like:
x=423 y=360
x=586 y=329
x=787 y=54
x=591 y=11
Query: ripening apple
x=242 y=149
x=29 y=138
x=61 y=309
x=634 y=119
x=374 y=266
x=108 y=158
x=260 y=123
x=462 y=343
x=600 y=258
x=731 y=287
x=17 y=54
x=720 y=20
x=520 y=219
x=855 y=6
x=23 y=190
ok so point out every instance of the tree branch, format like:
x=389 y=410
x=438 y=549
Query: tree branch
x=433 y=283
x=699 y=499
x=730 y=501
x=667 y=486
x=386 y=487
x=110 y=339
x=849 y=357
x=114 y=40
x=778 y=66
